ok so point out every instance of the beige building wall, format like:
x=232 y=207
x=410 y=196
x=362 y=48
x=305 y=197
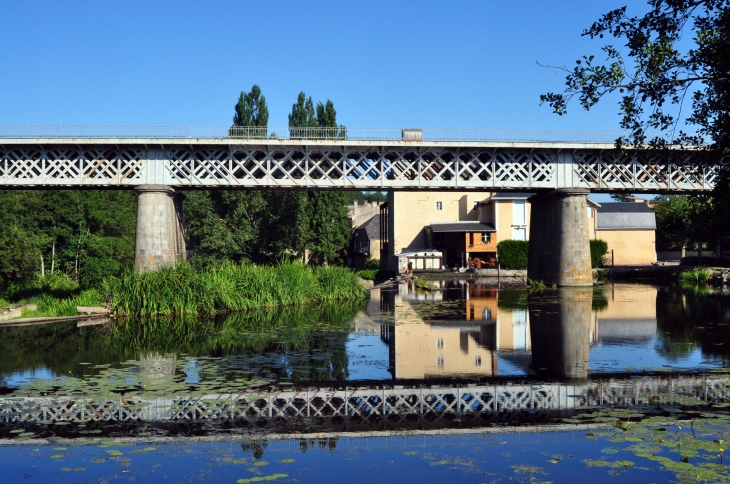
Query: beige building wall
x=410 y=212
x=630 y=247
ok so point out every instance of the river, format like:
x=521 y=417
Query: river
x=466 y=381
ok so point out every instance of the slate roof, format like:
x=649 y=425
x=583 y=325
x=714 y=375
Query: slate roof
x=461 y=227
x=508 y=196
x=371 y=227
x=625 y=216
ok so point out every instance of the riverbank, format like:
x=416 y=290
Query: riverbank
x=184 y=291
x=228 y=288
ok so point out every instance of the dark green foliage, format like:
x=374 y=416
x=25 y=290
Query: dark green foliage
x=372 y=264
x=228 y=287
x=598 y=250
x=694 y=261
x=251 y=111
x=87 y=235
x=368 y=274
x=513 y=254
x=674 y=70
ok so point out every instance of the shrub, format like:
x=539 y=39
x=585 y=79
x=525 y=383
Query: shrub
x=368 y=274
x=513 y=254
x=598 y=250
x=372 y=264
x=698 y=275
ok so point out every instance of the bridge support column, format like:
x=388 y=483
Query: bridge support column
x=559 y=245
x=159 y=239
x=560 y=331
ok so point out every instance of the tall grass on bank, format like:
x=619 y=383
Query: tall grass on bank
x=698 y=275
x=229 y=287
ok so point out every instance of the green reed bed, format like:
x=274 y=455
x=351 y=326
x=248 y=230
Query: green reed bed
x=227 y=288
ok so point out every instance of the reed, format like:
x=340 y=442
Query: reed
x=227 y=288
x=698 y=275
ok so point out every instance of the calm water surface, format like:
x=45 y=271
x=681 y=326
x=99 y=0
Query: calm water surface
x=467 y=381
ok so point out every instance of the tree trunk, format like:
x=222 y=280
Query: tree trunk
x=43 y=267
x=53 y=257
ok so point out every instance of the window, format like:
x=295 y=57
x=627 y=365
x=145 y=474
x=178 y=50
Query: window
x=478 y=361
x=440 y=343
x=440 y=361
x=439 y=206
x=485 y=237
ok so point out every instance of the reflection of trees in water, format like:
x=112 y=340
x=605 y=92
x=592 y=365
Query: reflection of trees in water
x=687 y=318
x=58 y=347
x=302 y=343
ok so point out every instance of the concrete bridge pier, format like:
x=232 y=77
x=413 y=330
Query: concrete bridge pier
x=159 y=238
x=559 y=238
x=560 y=330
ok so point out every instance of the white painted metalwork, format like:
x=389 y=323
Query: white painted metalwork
x=344 y=164
x=367 y=408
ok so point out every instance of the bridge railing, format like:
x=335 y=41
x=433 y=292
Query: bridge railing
x=286 y=133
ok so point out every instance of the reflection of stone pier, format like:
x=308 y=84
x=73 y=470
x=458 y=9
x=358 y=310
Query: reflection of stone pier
x=561 y=332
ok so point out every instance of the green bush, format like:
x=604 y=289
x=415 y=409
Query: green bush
x=368 y=274
x=513 y=254
x=693 y=260
x=372 y=264
x=598 y=250
x=698 y=275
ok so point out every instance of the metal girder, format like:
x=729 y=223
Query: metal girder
x=343 y=165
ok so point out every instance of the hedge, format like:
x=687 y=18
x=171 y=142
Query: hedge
x=513 y=254
x=598 y=250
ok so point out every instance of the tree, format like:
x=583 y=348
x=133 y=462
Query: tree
x=682 y=220
x=251 y=111
x=620 y=197
x=328 y=229
x=657 y=77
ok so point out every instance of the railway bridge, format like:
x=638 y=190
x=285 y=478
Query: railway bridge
x=157 y=162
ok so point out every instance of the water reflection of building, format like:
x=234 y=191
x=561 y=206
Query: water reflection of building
x=458 y=338
x=626 y=313
x=461 y=330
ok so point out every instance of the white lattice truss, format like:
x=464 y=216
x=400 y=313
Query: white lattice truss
x=366 y=409
x=347 y=165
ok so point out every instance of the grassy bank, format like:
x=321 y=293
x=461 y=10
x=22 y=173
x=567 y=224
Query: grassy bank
x=183 y=290
x=51 y=301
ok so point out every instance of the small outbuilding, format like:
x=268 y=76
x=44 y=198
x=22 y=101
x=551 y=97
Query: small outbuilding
x=629 y=228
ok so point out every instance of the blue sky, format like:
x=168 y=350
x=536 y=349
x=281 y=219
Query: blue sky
x=426 y=64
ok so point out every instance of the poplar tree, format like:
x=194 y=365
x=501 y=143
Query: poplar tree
x=328 y=226
x=251 y=111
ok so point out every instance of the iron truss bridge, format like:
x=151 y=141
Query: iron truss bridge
x=365 y=409
x=358 y=159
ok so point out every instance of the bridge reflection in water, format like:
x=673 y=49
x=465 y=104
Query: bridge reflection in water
x=444 y=364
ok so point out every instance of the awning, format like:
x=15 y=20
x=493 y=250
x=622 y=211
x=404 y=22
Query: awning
x=462 y=227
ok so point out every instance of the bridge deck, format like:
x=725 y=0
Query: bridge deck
x=459 y=162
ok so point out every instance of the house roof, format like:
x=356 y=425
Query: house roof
x=507 y=196
x=437 y=227
x=625 y=216
x=371 y=227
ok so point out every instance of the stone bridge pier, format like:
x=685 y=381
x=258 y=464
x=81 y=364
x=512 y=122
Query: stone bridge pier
x=159 y=237
x=560 y=251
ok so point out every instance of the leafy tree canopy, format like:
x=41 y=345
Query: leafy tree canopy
x=658 y=72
